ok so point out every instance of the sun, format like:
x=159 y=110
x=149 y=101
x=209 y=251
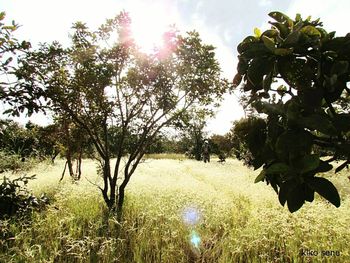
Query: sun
x=149 y=23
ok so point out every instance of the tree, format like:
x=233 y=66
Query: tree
x=192 y=126
x=220 y=144
x=246 y=140
x=17 y=98
x=18 y=140
x=296 y=74
x=48 y=141
x=104 y=81
x=72 y=143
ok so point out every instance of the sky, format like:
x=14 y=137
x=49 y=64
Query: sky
x=223 y=23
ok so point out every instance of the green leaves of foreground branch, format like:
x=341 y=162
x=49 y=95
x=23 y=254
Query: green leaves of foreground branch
x=296 y=73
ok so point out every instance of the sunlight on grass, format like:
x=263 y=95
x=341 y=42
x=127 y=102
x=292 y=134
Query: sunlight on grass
x=176 y=211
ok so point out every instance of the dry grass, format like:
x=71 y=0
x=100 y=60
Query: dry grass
x=238 y=221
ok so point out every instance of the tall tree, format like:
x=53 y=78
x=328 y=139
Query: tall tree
x=104 y=81
x=192 y=125
x=297 y=74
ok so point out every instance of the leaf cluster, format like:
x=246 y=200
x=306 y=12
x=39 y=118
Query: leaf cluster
x=296 y=74
x=16 y=199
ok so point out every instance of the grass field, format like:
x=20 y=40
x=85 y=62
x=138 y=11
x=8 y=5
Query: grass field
x=178 y=211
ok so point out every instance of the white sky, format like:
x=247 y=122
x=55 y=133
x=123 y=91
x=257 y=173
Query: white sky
x=222 y=23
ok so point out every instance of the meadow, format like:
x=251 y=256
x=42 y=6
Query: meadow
x=177 y=210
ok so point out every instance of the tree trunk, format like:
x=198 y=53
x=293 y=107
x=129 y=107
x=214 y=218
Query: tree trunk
x=121 y=195
x=64 y=171
x=68 y=150
x=55 y=153
x=70 y=165
x=79 y=161
x=109 y=189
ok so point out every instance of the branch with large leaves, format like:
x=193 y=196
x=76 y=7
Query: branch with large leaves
x=296 y=74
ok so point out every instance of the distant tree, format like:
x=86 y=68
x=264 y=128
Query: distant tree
x=16 y=139
x=72 y=143
x=48 y=141
x=102 y=80
x=296 y=73
x=247 y=138
x=192 y=126
x=220 y=144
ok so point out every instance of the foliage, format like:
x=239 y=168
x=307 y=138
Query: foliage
x=19 y=99
x=103 y=81
x=297 y=73
x=192 y=126
x=16 y=139
x=23 y=144
x=220 y=144
x=247 y=138
x=15 y=198
x=15 y=163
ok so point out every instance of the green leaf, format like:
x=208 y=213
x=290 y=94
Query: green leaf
x=310 y=31
x=342 y=122
x=324 y=34
x=283 y=51
x=280 y=17
x=323 y=167
x=12 y=28
x=260 y=177
x=267 y=82
x=326 y=189
x=340 y=67
x=291 y=70
x=319 y=122
x=342 y=166
x=307 y=163
x=269 y=43
x=309 y=193
x=293 y=110
x=331 y=34
x=293 y=143
x=292 y=39
x=295 y=198
x=255 y=50
x=281 y=90
x=242 y=66
x=258 y=68
x=271 y=33
x=283 y=30
x=244 y=45
x=284 y=191
x=237 y=80
x=277 y=168
x=2 y=15
x=264 y=107
x=257 y=32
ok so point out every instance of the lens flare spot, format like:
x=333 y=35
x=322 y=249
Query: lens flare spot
x=195 y=239
x=191 y=216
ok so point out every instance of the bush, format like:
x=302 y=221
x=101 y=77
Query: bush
x=15 y=198
x=14 y=162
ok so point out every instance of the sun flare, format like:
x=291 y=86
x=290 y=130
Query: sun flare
x=149 y=23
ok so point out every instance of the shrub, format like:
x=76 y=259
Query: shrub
x=16 y=199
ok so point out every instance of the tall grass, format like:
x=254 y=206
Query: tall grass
x=160 y=156
x=168 y=203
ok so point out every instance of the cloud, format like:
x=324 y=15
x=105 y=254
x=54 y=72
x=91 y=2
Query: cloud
x=265 y=3
x=333 y=14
